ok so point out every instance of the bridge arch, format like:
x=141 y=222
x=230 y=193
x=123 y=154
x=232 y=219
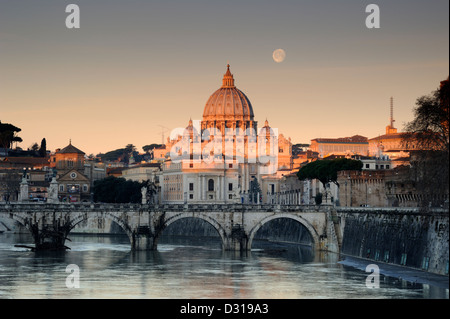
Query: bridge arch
x=312 y=231
x=118 y=220
x=22 y=220
x=220 y=230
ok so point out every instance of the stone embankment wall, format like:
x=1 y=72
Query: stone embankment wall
x=406 y=237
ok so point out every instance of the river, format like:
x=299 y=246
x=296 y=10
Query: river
x=187 y=268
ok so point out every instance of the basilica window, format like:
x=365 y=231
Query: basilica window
x=211 y=185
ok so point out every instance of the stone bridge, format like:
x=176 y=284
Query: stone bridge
x=237 y=224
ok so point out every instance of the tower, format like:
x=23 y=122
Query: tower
x=390 y=129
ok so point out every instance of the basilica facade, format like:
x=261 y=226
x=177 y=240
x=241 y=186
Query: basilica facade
x=225 y=157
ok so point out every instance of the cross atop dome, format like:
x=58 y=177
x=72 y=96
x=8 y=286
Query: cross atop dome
x=228 y=80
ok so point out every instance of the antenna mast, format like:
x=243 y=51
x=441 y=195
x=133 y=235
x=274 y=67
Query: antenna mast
x=392 y=112
x=163 y=130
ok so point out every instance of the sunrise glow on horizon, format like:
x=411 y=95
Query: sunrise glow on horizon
x=135 y=70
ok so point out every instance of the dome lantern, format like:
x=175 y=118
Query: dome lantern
x=228 y=80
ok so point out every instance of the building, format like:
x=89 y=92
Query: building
x=354 y=145
x=380 y=188
x=36 y=171
x=142 y=172
x=24 y=163
x=73 y=185
x=376 y=163
x=159 y=153
x=224 y=157
x=115 y=171
x=388 y=144
x=75 y=176
x=391 y=143
x=304 y=157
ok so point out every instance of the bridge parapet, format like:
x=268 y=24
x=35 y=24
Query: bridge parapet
x=68 y=207
x=87 y=207
x=392 y=210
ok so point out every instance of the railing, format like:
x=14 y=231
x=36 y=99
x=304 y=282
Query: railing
x=235 y=207
x=162 y=207
x=392 y=210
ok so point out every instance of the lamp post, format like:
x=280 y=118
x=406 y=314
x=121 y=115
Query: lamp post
x=350 y=181
x=346 y=203
x=367 y=181
x=366 y=192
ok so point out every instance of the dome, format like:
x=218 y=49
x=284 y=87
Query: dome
x=228 y=103
x=190 y=130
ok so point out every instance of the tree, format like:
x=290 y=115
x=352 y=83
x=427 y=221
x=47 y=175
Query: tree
x=255 y=191
x=10 y=184
x=112 y=155
x=150 y=147
x=121 y=154
x=130 y=148
x=43 y=148
x=326 y=170
x=118 y=190
x=34 y=147
x=297 y=148
x=8 y=135
x=429 y=130
x=318 y=198
x=152 y=191
x=428 y=136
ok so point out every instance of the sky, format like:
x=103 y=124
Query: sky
x=136 y=69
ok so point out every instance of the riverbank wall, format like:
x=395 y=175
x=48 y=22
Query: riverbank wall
x=407 y=237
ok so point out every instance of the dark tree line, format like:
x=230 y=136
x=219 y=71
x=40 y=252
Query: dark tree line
x=8 y=135
x=124 y=154
x=37 y=150
x=326 y=170
x=428 y=136
x=119 y=190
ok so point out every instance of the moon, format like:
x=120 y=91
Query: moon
x=279 y=55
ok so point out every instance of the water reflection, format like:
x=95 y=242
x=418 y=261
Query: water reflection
x=187 y=268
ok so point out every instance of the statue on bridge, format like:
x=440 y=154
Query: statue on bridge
x=23 y=195
x=52 y=197
x=144 y=195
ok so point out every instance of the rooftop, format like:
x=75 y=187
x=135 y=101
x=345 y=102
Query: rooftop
x=355 y=139
x=70 y=149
